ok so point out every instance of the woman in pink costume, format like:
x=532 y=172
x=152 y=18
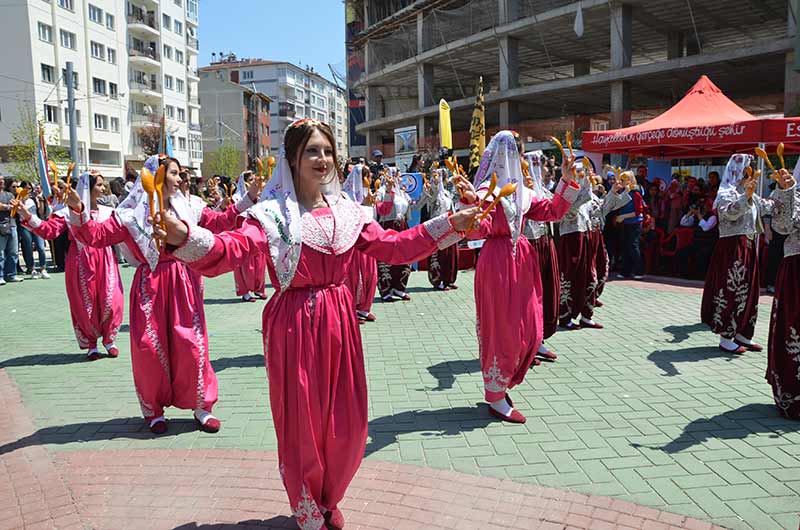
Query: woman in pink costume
x=169 y=342
x=315 y=365
x=94 y=288
x=508 y=284
x=363 y=274
x=250 y=277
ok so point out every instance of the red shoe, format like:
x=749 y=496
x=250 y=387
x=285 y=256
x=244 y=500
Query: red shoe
x=361 y=321
x=369 y=317
x=263 y=296
x=453 y=286
x=740 y=350
x=159 y=427
x=750 y=347
x=93 y=356
x=536 y=362
x=547 y=356
x=570 y=326
x=113 y=352
x=211 y=425
x=515 y=416
x=598 y=304
x=334 y=519
x=591 y=326
x=246 y=298
x=405 y=297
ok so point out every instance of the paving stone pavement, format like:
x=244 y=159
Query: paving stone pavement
x=646 y=411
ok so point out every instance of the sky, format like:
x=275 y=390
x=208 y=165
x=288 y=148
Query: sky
x=303 y=32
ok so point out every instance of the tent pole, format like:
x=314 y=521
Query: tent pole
x=762 y=173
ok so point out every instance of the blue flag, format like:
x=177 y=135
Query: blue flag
x=165 y=143
x=41 y=162
x=412 y=183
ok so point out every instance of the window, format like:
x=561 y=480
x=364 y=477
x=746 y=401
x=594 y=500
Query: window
x=170 y=112
x=247 y=74
x=109 y=21
x=182 y=143
x=115 y=124
x=45 y=32
x=113 y=91
x=50 y=114
x=66 y=4
x=182 y=115
x=47 y=74
x=179 y=27
x=179 y=85
x=99 y=86
x=101 y=122
x=178 y=56
x=98 y=51
x=191 y=9
x=77 y=117
x=95 y=14
x=74 y=78
x=67 y=39
x=168 y=51
x=168 y=81
x=166 y=21
x=112 y=55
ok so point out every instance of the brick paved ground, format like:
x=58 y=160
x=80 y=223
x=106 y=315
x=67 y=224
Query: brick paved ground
x=647 y=411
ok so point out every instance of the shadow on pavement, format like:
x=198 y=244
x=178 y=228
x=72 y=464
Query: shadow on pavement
x=46 y=359
x=446 y=372
x=384 y=431
x=224 y=301
x=737 y=424
x=245 y=361
x=666 y=359
x=681 y=333
x=92 y=431
x=278 y=522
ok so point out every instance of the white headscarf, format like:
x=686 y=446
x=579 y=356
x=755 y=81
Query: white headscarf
x=279 y=214
x=443 y=198
x=502 y=157
x=134 y=212
x=734 y=171
x=534 y=159
x=354 y=184
x=241 y=188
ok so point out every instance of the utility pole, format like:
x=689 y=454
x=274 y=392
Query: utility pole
x=73 y=125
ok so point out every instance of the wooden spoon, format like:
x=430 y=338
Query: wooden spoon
x=21 y=196
x=148 y=183
x=505 y=191
x=489 y=192
x=780 y=155
x=763 y=155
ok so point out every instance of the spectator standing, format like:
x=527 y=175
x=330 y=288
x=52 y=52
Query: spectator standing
x=28 y=240
x=631 y=216
x=675 y=201
x=9 y=245
x=706 y=233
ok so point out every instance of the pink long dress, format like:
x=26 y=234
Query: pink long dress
x=314 y=358
x=508 y=298
x=169 y=342
x=94 y=288
x=250 y=276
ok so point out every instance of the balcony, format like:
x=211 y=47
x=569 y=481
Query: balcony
x=193 y=101
x=146 y=90
x=144 y=57
x=143 y=120
x=193 y=74
x=192 y=44
x=195 y=127
x=143 y=25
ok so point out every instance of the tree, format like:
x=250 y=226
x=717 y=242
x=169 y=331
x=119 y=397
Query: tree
x=23 y=153
x=225 y=160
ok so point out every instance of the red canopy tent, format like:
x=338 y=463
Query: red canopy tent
x=705 y=123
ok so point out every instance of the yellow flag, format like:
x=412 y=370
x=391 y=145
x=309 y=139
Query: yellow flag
x=477 y=129
x=445 y=131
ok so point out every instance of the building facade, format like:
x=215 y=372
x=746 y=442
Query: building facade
x=133 y=60
x=552 y=65
x=295 y=92
x=235 y=115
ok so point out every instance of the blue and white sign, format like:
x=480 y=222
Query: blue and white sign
x=412 y=183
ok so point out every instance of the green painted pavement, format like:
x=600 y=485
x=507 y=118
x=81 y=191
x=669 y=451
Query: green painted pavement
x=647 y=410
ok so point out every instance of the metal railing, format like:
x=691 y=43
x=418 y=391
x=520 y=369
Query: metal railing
x=192 y=42
x=144 y=85
x=149 y=54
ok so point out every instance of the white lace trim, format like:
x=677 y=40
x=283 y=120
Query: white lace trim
x=323 y=235
x=442 y=231
x=197 y=329
x=150 y=331
x=35 y=222
x=493 y=379
x=244 y=203
x=307 y=513
x=198 y=245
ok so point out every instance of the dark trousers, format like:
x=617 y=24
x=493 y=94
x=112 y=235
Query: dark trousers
x=60 y=248
x=774 y=257
x=632 y=263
